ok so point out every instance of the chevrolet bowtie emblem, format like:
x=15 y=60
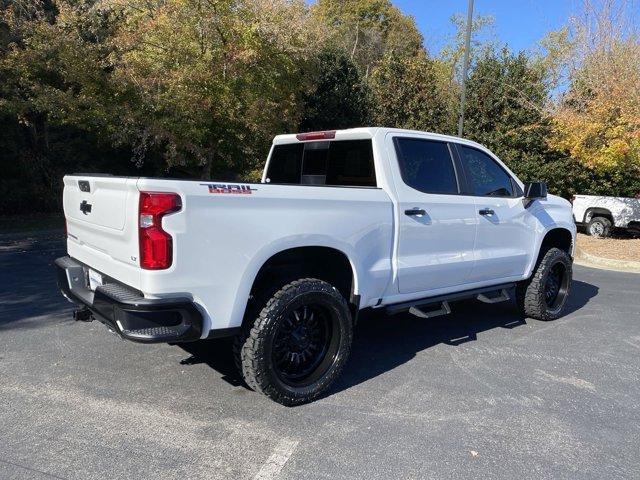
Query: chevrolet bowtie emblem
x=85 y=207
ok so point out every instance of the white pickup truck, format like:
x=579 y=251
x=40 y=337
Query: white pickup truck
x=599 y=215
x=342 y=221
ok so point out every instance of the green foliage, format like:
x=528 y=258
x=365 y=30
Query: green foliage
x=506 y=112
x=505 y=106
x=338 y=97
x=408 y=95
x=208 y=75
x=199 y=87
x=482 y=39
x=368 y=30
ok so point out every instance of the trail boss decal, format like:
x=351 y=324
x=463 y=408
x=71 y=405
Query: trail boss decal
x=229 y=188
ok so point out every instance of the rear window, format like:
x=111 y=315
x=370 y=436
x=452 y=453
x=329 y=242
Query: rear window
x=332 y=163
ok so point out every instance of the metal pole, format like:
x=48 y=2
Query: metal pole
x=465 y=66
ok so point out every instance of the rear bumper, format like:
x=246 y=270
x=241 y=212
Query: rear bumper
x=127 y=312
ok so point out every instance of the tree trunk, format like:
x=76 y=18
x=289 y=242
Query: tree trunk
x=207 y=167
x=38 y=128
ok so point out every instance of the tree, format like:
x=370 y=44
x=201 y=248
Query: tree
x=201 y=83
x=505 y=111
x=408 y=95
x=212 y=80
x=368 y=29
x=482 y=39
x=51 y=75
x=338 y=96
x=597 y=118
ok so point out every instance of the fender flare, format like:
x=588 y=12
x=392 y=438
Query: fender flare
x=270 y=250
x=591 y=211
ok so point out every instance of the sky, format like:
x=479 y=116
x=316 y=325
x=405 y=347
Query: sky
x=518 y=23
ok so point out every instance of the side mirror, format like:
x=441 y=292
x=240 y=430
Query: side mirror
x=534 y=191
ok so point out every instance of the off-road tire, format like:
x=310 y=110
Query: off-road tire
x=530 y=294
x=600 y=227
x=253 y=347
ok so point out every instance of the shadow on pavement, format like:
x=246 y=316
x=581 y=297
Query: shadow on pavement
x=29 y=295
x=383 y=342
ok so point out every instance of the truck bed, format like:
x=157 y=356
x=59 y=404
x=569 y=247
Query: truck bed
x=223 y=233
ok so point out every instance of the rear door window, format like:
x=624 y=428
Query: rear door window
x=331 y=163
x=426 y=165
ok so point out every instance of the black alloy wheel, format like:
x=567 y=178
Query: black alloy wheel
x=302 y=344
x=544 y=295
x=298 y=343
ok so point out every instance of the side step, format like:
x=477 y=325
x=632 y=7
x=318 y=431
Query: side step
x=421 y=312
x=496 y=296
x=419 y=307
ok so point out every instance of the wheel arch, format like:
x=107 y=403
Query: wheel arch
x=560 y=237
x=328 y=263
x=591 y=212
x=557 y=237
x=322 y=262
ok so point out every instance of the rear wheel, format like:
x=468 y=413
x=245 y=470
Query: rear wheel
x=298 y=343
x=599 y=227
x=545 y=294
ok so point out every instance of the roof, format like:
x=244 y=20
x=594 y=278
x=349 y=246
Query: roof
x=370 y=132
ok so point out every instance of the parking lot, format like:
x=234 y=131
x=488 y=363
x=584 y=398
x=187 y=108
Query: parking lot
x=481 y=393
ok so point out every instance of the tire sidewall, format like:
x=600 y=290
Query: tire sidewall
x=308 y=291
x=552 y=258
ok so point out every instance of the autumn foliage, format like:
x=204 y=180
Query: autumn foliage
x=198 y=87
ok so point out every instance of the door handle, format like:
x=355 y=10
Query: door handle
x=415 y=212
x=486 y=211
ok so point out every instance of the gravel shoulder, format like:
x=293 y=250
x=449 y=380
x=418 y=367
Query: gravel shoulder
x=619 y=248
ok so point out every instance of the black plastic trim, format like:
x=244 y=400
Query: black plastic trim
x=224 y=332
x=450 y=297
x=127 y=312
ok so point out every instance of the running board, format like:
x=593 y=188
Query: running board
x=500 y=294
x=444 y=309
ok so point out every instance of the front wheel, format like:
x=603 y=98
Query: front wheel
x=545 y=294
x=298 y=344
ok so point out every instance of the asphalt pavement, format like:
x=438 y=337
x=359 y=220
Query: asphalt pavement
x=481 y=393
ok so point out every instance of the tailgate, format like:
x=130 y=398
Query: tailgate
x=102 y=225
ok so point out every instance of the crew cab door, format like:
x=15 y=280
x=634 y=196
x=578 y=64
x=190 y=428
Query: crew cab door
x=506 y=236
x=437 y=225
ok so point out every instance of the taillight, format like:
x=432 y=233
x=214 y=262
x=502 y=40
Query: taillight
x=326 y=135
x=156 y=245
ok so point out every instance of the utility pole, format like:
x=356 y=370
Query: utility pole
x=465 y=66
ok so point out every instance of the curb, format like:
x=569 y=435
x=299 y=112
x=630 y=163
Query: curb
x=588 y=260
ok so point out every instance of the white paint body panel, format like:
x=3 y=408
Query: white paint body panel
x=221 y=241
x=623 y=210
x=504 y=245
